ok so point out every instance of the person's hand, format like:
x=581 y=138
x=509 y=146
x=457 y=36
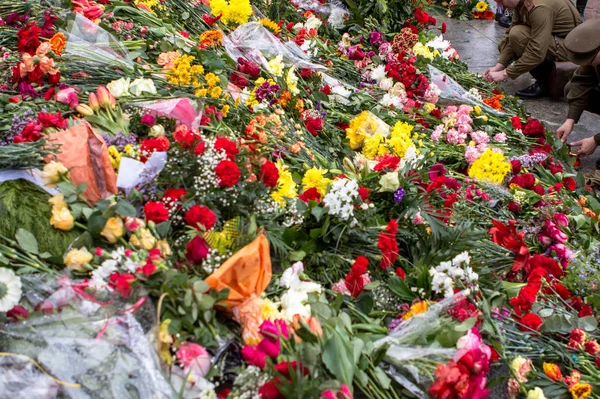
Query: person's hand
x=498 y=76
x=565 y=130
x=495 y=68
x=588 y=146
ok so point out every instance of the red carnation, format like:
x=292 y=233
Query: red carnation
x=210 y=20
x=52 y=120
x=400 y=273
x=326 y=89
x=444 y=27
x=386 y=242
x=314 y=125
x=185 y=137
x=228 y=173
x=197 y=250
x=507 y=237
x=199 y=215
x=122 y=283
x=421 y=16
x=355 y=282
x=156 y=212
x=173 y=195
x=28 y=38
x=228 y=146
x=533 y=128
x=387 y=163
x=516 y=122
x=269 y=174
x=364 y=193
x=31 y=132
x=312 y=194
x=530 y=321
x=514 y=207
x=148 y=146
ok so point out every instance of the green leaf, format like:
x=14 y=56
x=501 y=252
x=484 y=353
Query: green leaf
x=174 y=326
x=201 y=286
x=320 y=310
x=125 y=209
x=297 y=256
x=337 y=356
x=96 y=223
x=206 y=303
x=317 y=212
x=67 y=189
x=187 y=298
x=588 y=323
x=399 y=287
x=163 y=228
x=27 y=241
x=382 y=378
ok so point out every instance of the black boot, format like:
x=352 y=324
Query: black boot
x=581 y=4
x=536 y=90
x=505 y=21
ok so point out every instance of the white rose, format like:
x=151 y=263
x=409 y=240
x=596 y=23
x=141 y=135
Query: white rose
x=536 y=393
x=389 y=182
x=289 y=278
x=139 y=86
x=118 y=88
x=386 y=83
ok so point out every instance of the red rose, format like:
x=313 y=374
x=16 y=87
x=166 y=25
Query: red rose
x=52 y=120
x=228 y=146
x=228 y=173
x=253 y=356
x=17 y=312
x=570 y=183
x=239 y=79
x=199 y=215
x=444 y=27
x=269 y=174
x=248 y=68
x=314 y=125
x=516 y=166
x=538 y=189
x=530 y=321
x=156 y=212
x=197 y=250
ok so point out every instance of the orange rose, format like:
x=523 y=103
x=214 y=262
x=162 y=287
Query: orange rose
x=552 y=371
x=58 y=43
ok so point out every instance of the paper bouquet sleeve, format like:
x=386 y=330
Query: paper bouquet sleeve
x=84 y=152
x=246 y=274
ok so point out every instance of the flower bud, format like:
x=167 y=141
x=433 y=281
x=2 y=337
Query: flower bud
x=93 y=101
x=84 y=110
x=103 y=96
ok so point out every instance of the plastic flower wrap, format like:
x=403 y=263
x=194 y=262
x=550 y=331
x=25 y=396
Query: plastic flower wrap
x=80 y=346
x=452 y=92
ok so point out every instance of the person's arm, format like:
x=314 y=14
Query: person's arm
x=581 y=85
x=542 y=21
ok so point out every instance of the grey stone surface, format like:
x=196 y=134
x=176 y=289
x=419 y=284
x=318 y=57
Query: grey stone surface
x=477 y=44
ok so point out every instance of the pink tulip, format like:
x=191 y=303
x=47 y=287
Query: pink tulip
x=562 y=251
x=68 y=97
x=561 y=219
x=192 y=355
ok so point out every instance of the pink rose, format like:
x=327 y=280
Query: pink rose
x=194 y=356
x=253 y=356
x=561 y=219
x=562 y=251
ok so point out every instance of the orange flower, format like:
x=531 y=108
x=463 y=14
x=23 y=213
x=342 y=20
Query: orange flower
x=312 y=323
x=58 y=43
x=211 y=38
x=494 y=102
x=580 y=391
x=416 y=309
x=285 y=97
x=552 y=371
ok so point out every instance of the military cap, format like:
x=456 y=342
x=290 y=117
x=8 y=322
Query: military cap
x=583 y=42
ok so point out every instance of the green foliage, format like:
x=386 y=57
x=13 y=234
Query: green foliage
x=32 y=215
x=391 y=14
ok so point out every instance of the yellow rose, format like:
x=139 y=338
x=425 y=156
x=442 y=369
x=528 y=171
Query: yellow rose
x=51 y=173
x=76 y=258
x=146 y=239
x=113 y=229
x=536 y=393
x=62 y=219
x=58 y=201
x=165 y=248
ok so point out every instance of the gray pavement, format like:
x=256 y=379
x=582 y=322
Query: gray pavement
x=477 y=44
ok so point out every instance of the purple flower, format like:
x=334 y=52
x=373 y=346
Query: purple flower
x=398 y=195
x=27 y=90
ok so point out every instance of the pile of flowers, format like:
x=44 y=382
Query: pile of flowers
x=245 y=207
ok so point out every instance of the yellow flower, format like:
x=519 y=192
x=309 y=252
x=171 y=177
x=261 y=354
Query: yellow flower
x=215 y=92
x=232 y=12
x=400 y=138
x=52 y=172
x=268 y=310
x=580 y=391
x=373 y=147
x=75 y=259
x=428 y=107
x=62 y=219
x=286 y=187
x=536 y=393
x=163 y=335
x=201 y=92
x=315 y=177
x=225 y=110
x=416 y=309
x=270 y=25
x=481 y=6
x=275 y=66
x=212 y=79
x=58 y=201
x=422 y=50
x=491 y=167
x=113 y=229
x=164 y=247
x=291 y=80
x=145 y=240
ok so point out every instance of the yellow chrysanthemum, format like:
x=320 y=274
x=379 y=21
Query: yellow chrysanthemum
x=374 y=146
x=491 y=167
x=286 y=187
x=315 y=177
x=400 y=138
x=481 y=6
x=269 y=310
x=225 y=110
x=215 y=92
x=422 y=50
x=270 y=25
x=234 y=12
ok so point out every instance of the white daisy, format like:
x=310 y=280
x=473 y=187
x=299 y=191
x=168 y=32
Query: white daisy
x=10 y=289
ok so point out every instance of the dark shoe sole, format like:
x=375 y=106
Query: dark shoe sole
x=531 y=96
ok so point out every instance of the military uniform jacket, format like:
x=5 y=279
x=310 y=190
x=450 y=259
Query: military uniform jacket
x=581 y=87
x=549 y=21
